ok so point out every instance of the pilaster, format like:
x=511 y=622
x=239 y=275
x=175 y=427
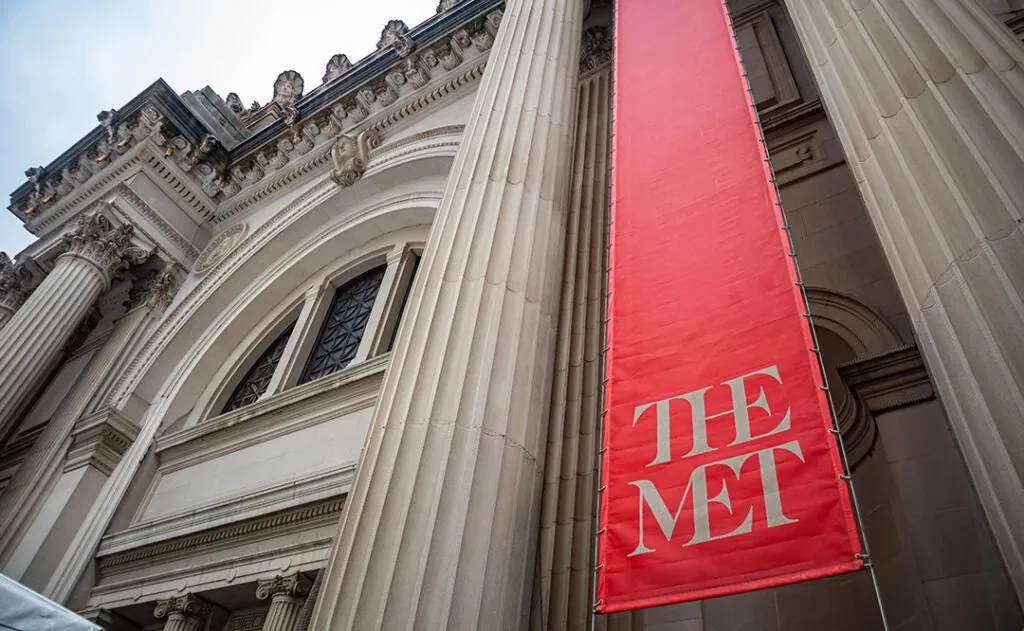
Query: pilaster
x=926 y=98
x=440 y=529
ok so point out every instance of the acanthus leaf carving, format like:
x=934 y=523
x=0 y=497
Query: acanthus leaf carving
x=16 y=282
x=596 y=48
x=97 y=241
x=351 y=154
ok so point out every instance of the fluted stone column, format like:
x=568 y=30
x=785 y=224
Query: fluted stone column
x=184 y=613
x=440 y=528
x=33 y=337
x=39 y=471
x=286 y=594
x=16 y=284
x=928 y=101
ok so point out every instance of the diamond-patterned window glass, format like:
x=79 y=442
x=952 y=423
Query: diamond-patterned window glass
x=343 y=328
x=255 y=382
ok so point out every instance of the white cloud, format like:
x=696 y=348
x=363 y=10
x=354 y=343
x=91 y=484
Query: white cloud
x=62 y=61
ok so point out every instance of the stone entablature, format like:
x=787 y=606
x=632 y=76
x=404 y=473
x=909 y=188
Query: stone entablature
x=207 y=174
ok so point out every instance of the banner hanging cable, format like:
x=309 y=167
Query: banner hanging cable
x=708 y=323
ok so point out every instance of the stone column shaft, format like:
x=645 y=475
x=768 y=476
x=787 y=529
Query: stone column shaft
x=286 y=594
x=928 y=101
x=440 y=528
x=568 y=506
x=283 y=614
x=34 y=336
x=44 y=463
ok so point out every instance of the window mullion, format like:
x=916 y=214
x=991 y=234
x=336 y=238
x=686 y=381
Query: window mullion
x=394 y=299
x=397 y=260
x=314 y=309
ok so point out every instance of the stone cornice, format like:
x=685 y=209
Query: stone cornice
x=160 y=117
x=347 y=390
x=889 y=380
x=99 y=440
x=118 y=554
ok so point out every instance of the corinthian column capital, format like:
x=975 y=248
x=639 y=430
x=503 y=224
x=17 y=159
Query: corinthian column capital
x=96 y=241
x=16 y=283
x=293 y=585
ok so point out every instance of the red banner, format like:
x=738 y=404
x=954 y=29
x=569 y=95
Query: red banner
x=720 y=474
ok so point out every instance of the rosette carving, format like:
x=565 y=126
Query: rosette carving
x=294 y=585
x=97 y=241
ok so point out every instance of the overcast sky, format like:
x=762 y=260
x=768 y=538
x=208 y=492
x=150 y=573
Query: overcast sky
x=63 y=61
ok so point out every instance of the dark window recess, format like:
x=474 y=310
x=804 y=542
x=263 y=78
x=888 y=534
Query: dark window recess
x=255 y=382
x=343 y=328
x=405 y=301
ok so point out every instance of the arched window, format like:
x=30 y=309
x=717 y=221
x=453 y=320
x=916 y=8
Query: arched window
x=255 y=382
x=344 y=325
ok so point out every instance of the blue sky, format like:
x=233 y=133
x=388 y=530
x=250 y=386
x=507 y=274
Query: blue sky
x=63 y=61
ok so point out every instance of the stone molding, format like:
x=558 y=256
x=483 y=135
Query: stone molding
x=99 y=440
x=321 y=511
x=348 y=390
x=295 y=585
x=318 y=159
x=210 y=282
x=140 y=206
x=229 y=513
x=890 y=380
x=108 y=620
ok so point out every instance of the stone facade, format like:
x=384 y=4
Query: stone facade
x=237 y=325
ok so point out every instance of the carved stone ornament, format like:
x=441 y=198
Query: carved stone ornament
x=186 y=605
x=396 y=34
x=350 y=154
x=156 y=289
x=288 y=88
x=220 y=247
x=444 y=5
x=294 y=585
x=193 y=156
x=235 y=103
x=16 y=283
x=596 y=49
x=97 y=241
x=336 y=66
